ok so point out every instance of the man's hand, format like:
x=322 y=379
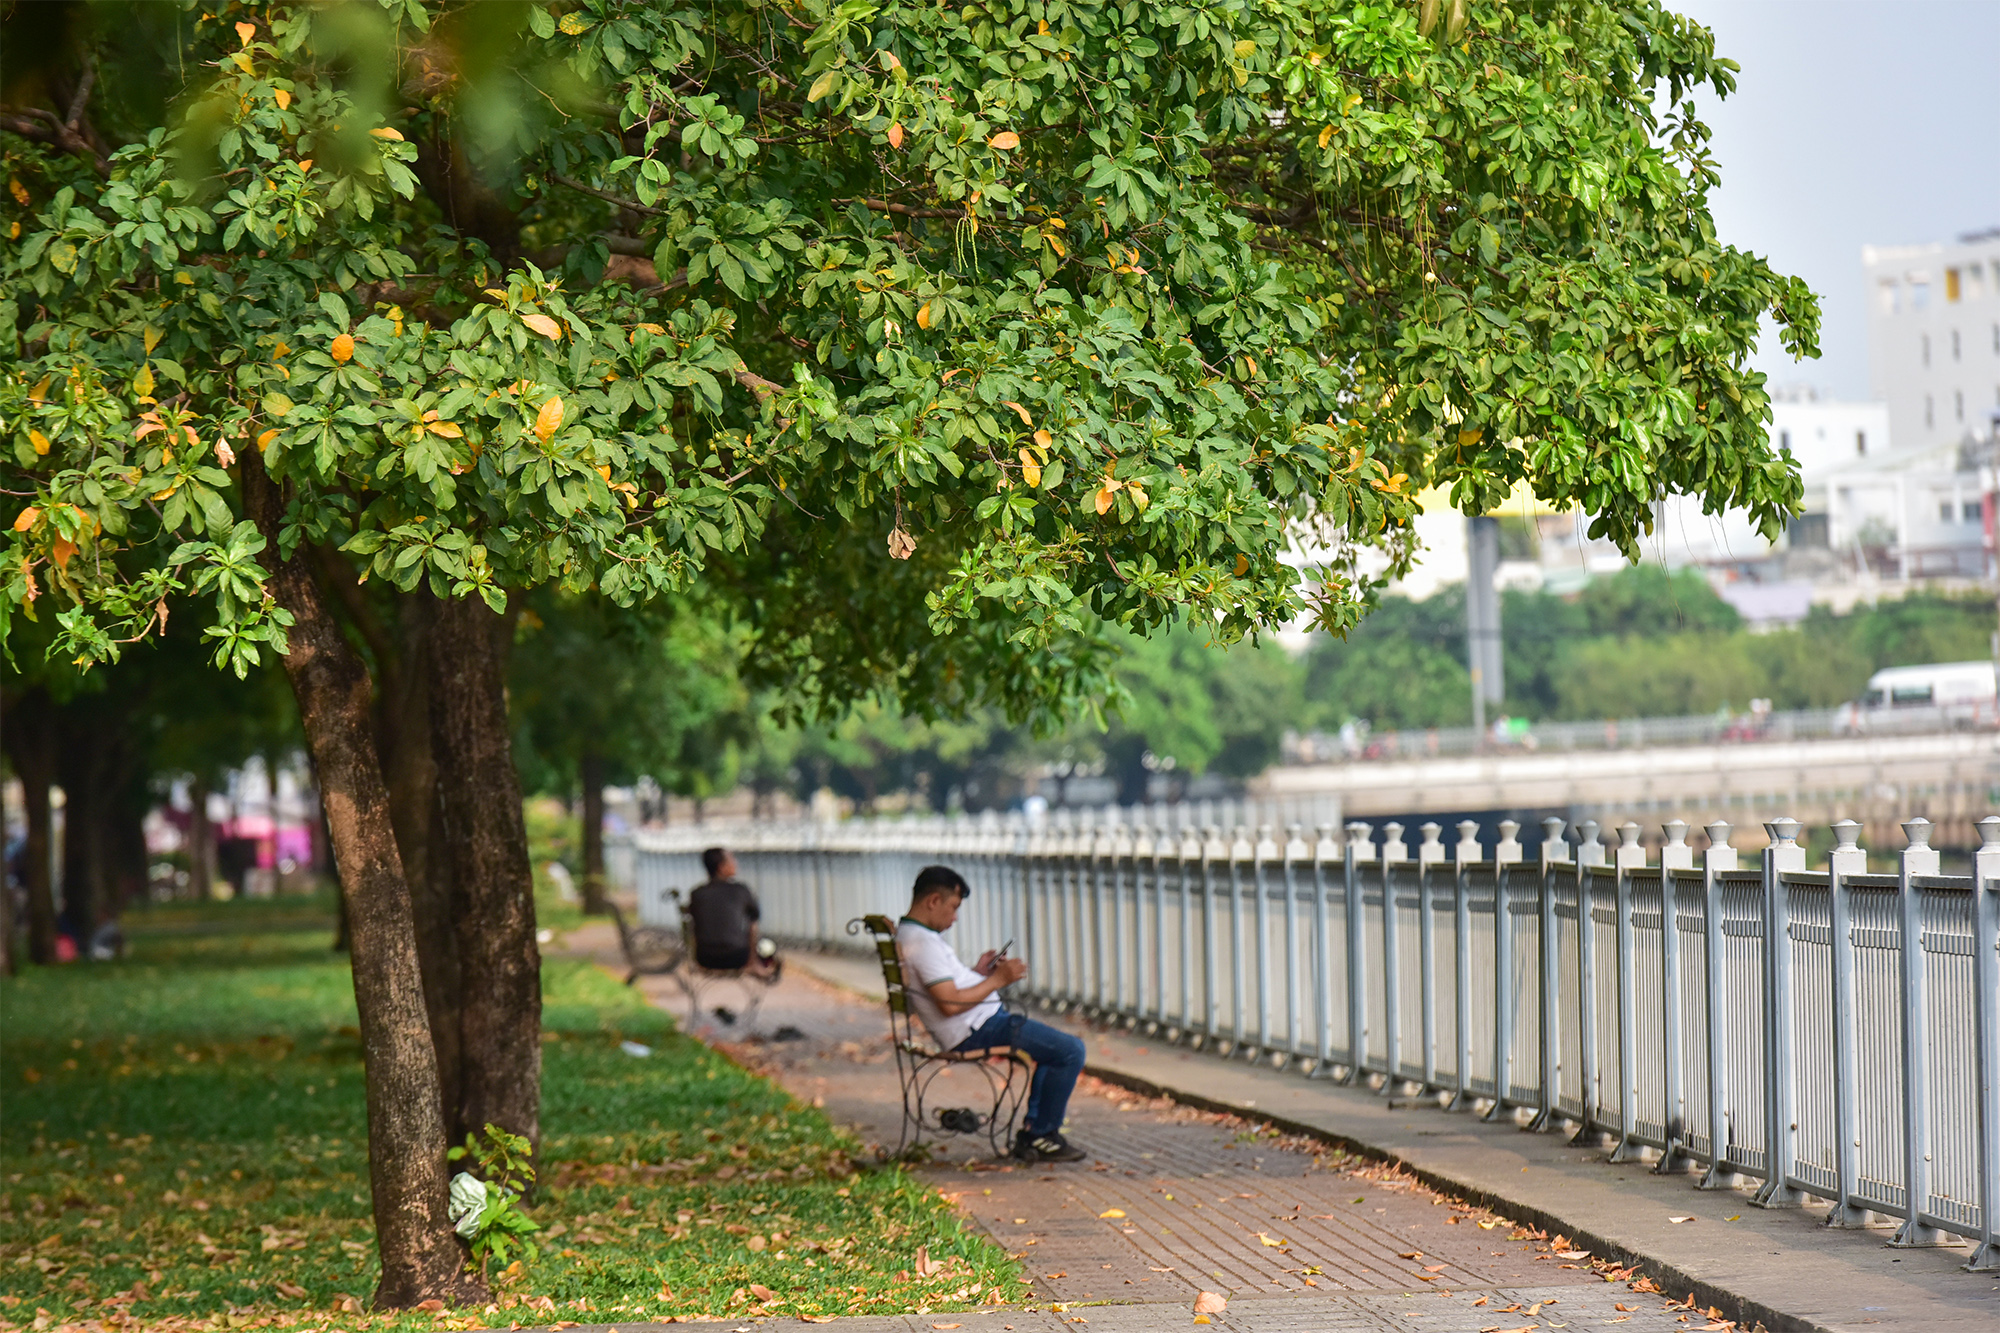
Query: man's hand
x=984 y=967
x=1009 y=970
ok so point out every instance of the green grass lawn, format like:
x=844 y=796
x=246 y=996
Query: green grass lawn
x=184 y=1143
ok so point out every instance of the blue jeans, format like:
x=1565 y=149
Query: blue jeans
x=1058 y=1060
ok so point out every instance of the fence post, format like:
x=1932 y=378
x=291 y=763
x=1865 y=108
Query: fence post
x=1590 y=853
x=1467 y=851
x=1237 y=1000
x=1159 y=836
x=1918 y=860
x=1719 y=856
x=1986 y=1037
x=1360 y=848
x=1548 y=1003
x=1675 y=855
x=1293 y=838
x=1780 y=1119
x=1261 y=919
x=1429 y=853
x=1124 y=846
x=1846 y=859
x=1630 y=856
x=1395 y=852
x=1211 y=1006
x=1506 y=854
x=1186 y=836
x=1322 y=952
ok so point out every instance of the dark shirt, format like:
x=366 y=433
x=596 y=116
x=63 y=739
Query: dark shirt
x=722 y=910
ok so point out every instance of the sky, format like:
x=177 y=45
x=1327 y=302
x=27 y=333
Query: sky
x=1854 y=122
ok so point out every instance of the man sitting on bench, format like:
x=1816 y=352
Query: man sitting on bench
x=725 y=916
x=961 y=1008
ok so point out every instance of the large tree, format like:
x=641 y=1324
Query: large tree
x=935 y=337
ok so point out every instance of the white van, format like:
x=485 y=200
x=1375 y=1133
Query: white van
x=1938 y=686
x=1941 y=696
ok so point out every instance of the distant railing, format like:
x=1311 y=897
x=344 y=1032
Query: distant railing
x=1515 y=735
x=1832 y=1033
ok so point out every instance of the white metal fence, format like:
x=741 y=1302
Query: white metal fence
x=1832 y=1033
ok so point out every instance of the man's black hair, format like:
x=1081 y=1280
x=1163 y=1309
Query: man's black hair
x=712 y=860
x=939 y=879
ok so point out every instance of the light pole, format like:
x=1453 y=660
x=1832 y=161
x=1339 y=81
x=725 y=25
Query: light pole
x=1482 y=616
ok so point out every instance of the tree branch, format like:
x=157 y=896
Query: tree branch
x=607 y=196
x=904 y=210
x=24 y=121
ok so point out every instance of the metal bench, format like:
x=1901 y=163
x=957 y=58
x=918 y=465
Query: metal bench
x=650 y=951
x=919 y=1061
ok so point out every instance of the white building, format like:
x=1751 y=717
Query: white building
x=1934 y=337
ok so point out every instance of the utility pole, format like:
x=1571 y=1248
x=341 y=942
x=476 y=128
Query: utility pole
x=1482 y=616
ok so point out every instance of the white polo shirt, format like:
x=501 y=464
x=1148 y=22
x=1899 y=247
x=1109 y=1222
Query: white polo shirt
x=927 y=960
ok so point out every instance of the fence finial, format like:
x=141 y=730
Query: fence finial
x=1393 y=846
x=1919 y=858
x=1468 y=848
x=1555 y=848
x=1589 y=851
x=1630 y=853
x=1786 y=854
x=1847 y=857
x=1508 y=850
x=1360 y=840
x=1720 y=855
x=1430 y=850
x=1676 y=855
x=1986 y=861
x=1322 y=835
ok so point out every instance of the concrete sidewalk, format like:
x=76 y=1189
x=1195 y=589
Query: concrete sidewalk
x=1781 y=1267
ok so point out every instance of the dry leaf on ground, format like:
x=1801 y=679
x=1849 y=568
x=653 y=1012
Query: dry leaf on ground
x=1209 y=1302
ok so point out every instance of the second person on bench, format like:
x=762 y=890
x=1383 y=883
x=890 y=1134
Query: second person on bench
x=961 y=1007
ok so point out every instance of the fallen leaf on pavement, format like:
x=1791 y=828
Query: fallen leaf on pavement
x=1209 y=1302
x=1274 y=1244
x=291 y=1290
x=1678 y=1220
x=1112 y=1212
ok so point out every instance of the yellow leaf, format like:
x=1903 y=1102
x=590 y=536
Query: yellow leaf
x=1044 y=439
x=924 y=316
x=1468 y=438
x=245 y=31
x=448 y=429
x=342 y=349
x=385 y=132
x=18 y=190
x=1139 y=497
x=1019 y=411
x=890 y=62
x=1242 y=565
x=61 y=551
x=152 y=337
x=604 y=472
x=1005 y=141
x=896 y=136
x=264 y=439
x=26 y=518
x=822 y=85
x=142 y=383
x=1267 y=1240
x=549 y=419
x=40 y=392
x=574 y=24
x=39 y=440
x=242 y=61
x=283 y=99
x=543 y=325
x=1031 y=471
x=1326 y=136
x=1041 y=27
x=1104 y=498
x=1112 y=1212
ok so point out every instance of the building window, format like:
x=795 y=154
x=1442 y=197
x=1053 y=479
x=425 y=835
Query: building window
x=1925 y=339
x=1861 y=442
x=1920 y=291
x=1930 y=412
x=1944 y=511
x=1890 y=292
x=1973 y=511
x=1951 y=288
x=1954 y=344
x=1785 y=440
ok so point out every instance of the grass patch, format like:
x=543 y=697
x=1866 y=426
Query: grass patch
x=184 y=1144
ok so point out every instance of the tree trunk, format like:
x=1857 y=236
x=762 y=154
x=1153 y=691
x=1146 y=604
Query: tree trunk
x=421 y=1257
x=85 y=771
x=200 y=841
x=486 y=843
x=31 y=742
x=592 y=770
x=410 y=764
